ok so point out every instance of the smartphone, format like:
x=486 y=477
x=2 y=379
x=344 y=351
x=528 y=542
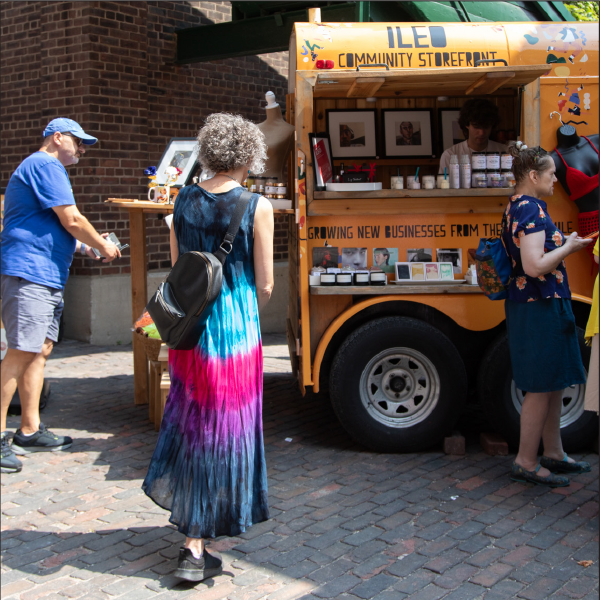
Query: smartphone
x=111 y=237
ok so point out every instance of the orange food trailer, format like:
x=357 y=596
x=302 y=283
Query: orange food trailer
x=399 y=361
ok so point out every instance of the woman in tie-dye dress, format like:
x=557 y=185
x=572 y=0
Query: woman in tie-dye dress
x=208 y=468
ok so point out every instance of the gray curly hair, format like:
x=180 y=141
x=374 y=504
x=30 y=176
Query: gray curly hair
x=228 y=142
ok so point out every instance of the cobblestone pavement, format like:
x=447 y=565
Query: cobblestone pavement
x=346 y=523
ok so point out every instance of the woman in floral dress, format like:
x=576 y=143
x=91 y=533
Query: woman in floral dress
x=542 y=336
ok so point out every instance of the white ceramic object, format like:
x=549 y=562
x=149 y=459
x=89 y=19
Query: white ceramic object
x=280 y=203
x=353 y=187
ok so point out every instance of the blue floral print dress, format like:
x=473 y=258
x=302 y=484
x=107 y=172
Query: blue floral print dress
x=542 y=335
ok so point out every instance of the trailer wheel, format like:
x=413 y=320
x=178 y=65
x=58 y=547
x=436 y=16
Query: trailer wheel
x=397 y=384
x=502 y=399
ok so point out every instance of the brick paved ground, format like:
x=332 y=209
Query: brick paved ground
x=346 y=523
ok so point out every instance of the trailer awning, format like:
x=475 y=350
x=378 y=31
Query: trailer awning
x=425 y=82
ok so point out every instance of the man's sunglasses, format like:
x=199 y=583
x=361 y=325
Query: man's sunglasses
x=78 y=142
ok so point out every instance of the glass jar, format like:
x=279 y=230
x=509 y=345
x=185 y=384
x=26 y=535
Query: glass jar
x=428 y=182
x=443 y=182
x=250 y=181
x=281 y=189
x=509 y=179
x=361 y=278
x=270 y=186
x=260 y=184
x=494 y=179
x=478 y=161
x=479 y=179
x=506 y=161
x=492 y=161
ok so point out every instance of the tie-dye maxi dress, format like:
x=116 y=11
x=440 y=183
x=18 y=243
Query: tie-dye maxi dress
x=208 y=467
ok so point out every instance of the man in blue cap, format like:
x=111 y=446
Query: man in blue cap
x=42 y=231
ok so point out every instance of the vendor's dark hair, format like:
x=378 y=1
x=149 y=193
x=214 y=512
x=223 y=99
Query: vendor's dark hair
x=478 y=112
x=528 y=159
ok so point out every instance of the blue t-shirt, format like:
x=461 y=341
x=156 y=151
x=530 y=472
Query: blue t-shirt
x=35 y=245
x=526 y=215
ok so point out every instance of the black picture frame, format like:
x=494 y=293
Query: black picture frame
x=446 y=119
x=188 y=149
x=393 y=146
x=361 y=124
x=320 y=180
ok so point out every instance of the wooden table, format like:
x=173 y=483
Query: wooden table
x=137 y=210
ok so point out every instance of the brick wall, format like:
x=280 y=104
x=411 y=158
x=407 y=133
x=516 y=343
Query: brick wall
x=110 y=66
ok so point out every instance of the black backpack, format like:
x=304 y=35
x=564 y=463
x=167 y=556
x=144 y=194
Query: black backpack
x=183 y=301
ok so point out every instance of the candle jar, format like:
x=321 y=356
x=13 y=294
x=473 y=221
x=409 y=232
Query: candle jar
x=397 y=182
x=479 y=179
x=494 y=179
x=492 y=161
x=478 y=161
x=328 y=278
x=443 y=183
x=429 y=182
x=361 y=278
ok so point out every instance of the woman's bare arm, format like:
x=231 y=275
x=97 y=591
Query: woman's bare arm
x=263 y=251
x=536 y=262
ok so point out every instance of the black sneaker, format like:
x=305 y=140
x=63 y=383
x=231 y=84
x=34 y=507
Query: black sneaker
x=42 y=440
x=10 y=463
x=197 y=569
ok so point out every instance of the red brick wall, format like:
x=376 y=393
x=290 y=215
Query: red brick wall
x=110 y=66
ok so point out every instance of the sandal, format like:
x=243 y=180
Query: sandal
x=518 y=473
x=564 y=466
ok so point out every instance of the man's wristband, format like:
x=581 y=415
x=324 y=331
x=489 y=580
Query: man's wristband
x=82 y=249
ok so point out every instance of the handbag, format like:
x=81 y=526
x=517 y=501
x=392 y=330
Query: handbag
x=183 y=301
x=494 y=266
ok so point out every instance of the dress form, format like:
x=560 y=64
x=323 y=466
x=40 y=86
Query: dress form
x=579 y=154
x=278 y=136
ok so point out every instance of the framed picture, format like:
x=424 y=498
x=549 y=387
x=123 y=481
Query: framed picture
x=352 y=133
x=432 y=271
x=385 y=258
x=419 y=255
x=320 y=148
x=354 y=257
x=451 y=255
x=325 y=256
x=181 y=153
x=417 y=271
x=446 y=271
x=402 y=271
x=407 y=132
x=450 y=131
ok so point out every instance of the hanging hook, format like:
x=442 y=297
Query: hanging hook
x=554 y=112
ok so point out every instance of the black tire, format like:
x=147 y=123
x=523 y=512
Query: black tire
x=424 y=371
x=501 y=399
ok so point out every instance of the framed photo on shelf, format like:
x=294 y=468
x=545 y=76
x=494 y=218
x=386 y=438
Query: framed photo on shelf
x=181 y=153
x=320 y=149
x=450 y=131
x=407 y=133
x=446 y=271
x=352 y=133
x=403 y=271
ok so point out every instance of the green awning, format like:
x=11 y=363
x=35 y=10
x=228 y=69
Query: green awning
x=263 y=27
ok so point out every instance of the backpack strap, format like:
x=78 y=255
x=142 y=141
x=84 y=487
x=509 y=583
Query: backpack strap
x=234 y=225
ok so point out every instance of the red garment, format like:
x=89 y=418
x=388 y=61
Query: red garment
x=579 y=183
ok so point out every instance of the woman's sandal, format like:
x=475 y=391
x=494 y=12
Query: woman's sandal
x=564 y=466
x=518 y=473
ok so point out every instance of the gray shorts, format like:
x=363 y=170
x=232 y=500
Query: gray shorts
x=30 y=313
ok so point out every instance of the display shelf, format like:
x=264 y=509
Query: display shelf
x=436 y=193
x=379 y=290
x=154 y=207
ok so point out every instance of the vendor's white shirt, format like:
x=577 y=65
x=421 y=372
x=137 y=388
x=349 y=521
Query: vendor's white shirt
x=463 y=148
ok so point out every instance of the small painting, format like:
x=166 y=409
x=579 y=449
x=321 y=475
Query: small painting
x=407 y=133
x=452 y=255
x=417 y=271
x=419 y=255
x=446 y=271
x=352 y=133
x=402 y=271
x=326 y=257
x=385 y=258
x=354 y=257
x=432 y=271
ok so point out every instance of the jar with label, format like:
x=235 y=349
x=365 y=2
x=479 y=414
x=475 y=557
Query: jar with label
x=479 y=179
x=428 y=182
x=506 y=161
x=494 y=179
x=361 y=278
x=478 y=161
x=465 y=171
x=260 y=184
x=250 y=181
x=443 y=183
x=509 y=179
x=281 y=189
x=270 y=189
x=397 y=182
x=345 y=276
x=492 y=161
x=413 y=183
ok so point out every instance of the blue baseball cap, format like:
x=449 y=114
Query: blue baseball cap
x=62 y=125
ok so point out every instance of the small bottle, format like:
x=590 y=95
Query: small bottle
x=465 y=171
x=478 y=161
x=454 y=172
x=506 y=160
x=492 y=161
x=478 y=178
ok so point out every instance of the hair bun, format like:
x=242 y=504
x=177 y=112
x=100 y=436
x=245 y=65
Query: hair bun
x=521 y=146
